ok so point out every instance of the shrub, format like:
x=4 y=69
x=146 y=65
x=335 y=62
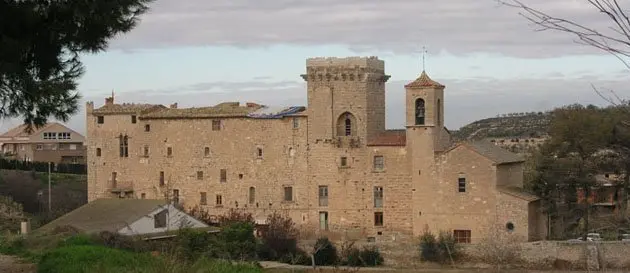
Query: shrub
x=447 y=247
x=279 y=239
x=371 y=256
x=194 y=244
x=428 y=247
x=324 y=252
x=237 y=241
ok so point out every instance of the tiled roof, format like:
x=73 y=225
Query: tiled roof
x=495 y=153
x=390 y=138
x=127 y=108
x=19 y=131
x=226 y=109
x=424 y=81
x=518 y=193
x=105 y=214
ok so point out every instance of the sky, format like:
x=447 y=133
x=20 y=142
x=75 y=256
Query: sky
x=491 y=59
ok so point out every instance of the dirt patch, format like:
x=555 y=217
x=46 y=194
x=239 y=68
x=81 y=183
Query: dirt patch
x=14 y=265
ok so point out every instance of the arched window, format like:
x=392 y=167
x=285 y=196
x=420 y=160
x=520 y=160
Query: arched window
x=346 y=125
x=439 y=112
x=252 y=195
x=420 y=112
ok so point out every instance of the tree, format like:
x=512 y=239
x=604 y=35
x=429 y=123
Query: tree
x=40 y=46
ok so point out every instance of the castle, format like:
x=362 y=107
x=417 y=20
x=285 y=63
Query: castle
x=331 y=166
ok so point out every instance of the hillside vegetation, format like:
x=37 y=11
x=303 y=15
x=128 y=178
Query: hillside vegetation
x=517 y=125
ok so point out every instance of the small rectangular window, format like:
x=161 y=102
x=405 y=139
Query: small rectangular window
x=145 y=151
x=288 y=193
x=379 y=162
x=100 y=119
x=176 y=196
x=199 y=175
x=461 y=184
x=98 y=151
x=162 y=178
x=169 y=151
x=223 y=175
x=344 y=161
x=378 y=218
x=133 y=119
x=143 y=195
x=206 y=151
x=259 y=152
x=147 y=127
x=219 y=201
x=378 y=197
x=216 y=125
x=203 y=198
x=462 y=236
x=296 y=123
x=41 y=147
x=323 y=196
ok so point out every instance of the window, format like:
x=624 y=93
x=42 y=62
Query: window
x=145 y=151
x=462 y=236
x=296 y=123
x=124 y=145
x=175 y=196
x=216 y=125
x=219 y=201
x=62 y=146
x=143 y=195
x=348 y=127
x=461 y=184
x=159 y=219
x=114 y=178
x=147 y=127
x=344 y=161
x=206 y=151
x=438 y=114
x=169 y=151
x=252 y=195
x=259 y=152
x=288 y=193
x=41 y=147
x=199 y=175
x=323 y=196
x=203 y=198
x=379 y=162
x=420 y=112
x=63 y=135
x=73 y=146
x=378 y=197
x=346 y=124
x=98 y=151
x=100 y=119
x=323 y=220
x=378 y=218
x=133 y=119
x=161 y=178
x=223 y=175
x=50 y=135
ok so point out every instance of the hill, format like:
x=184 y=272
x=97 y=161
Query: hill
x=513 y=125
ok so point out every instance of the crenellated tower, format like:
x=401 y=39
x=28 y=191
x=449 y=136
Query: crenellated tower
x=346 y=98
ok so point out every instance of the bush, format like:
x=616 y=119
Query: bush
x=279 y=239
x=368 y=256
x=237 y=241
x=195 y=244
x=440 y=250
x=325 y=252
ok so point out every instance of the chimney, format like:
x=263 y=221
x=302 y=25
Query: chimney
x=174 y=106
x=109 y=101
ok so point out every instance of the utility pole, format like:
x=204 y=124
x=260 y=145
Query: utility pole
x=49 y=189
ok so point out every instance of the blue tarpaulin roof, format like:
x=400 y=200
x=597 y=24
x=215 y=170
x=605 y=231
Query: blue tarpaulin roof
x=275 y=112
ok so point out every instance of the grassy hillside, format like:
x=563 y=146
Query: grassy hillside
x=517 y=125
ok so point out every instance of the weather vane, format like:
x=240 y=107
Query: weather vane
x=424 y=52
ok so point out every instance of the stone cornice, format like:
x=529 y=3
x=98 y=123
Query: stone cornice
x=358 y=77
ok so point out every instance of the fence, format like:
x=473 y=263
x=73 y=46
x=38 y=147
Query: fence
x=12 y=164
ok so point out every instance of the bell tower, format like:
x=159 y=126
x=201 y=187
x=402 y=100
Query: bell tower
x=424 y=122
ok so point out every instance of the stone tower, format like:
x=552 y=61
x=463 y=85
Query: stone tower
x=424 y=115
x=346 y=97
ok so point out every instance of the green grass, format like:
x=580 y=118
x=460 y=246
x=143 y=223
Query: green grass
x=63 y=178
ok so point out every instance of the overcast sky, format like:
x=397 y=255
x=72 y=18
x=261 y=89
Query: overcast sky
x=200 y=52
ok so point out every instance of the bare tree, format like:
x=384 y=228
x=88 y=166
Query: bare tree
x=615 y=42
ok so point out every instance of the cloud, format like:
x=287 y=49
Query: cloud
x=400 y=26
x=465 y=100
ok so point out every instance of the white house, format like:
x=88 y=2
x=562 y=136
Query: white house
x=141 y=217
